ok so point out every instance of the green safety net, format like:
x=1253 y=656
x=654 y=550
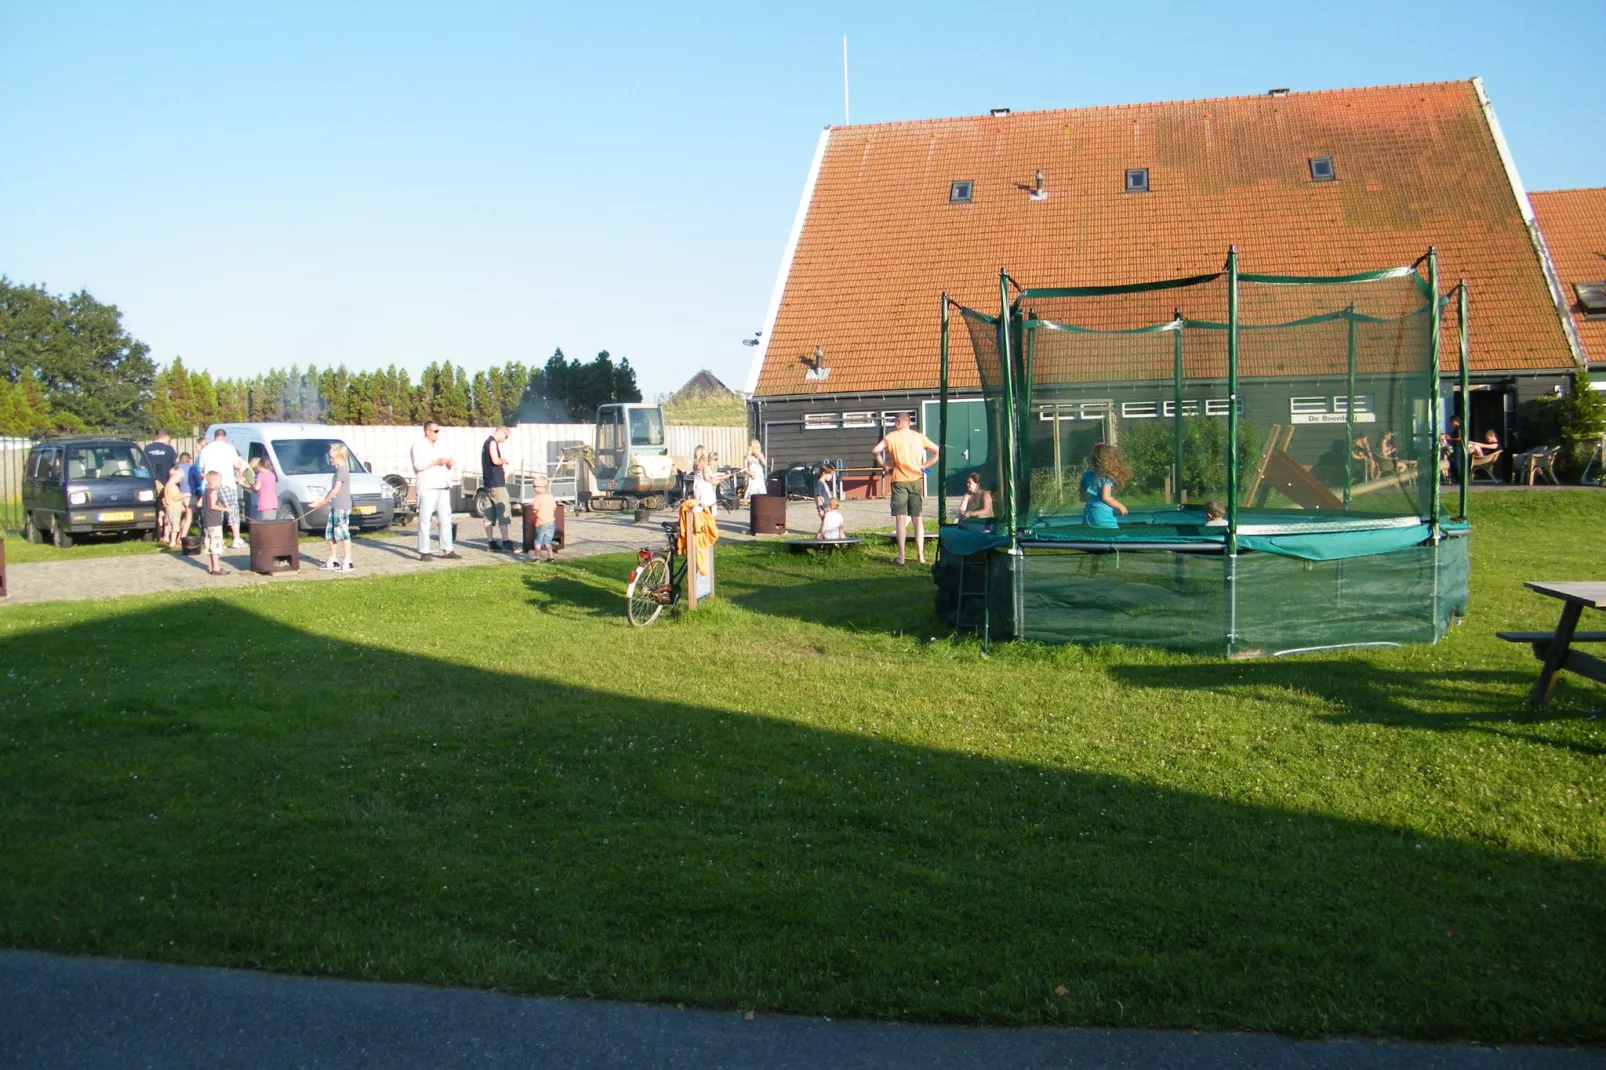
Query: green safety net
x=1182 y=601
x=1302 y=408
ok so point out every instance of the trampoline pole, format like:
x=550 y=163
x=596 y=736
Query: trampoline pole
x=1176 y=402
x=1010 y=421
x=1466 y=408
x=942 y=426
x=1232 y=449
x=1349 y=405
x=1435 y=397
x=1029 y=354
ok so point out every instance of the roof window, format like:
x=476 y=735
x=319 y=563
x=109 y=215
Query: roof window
x=1592 y=299
x=1321 y=169
x=960 y=192
x=1137 y=180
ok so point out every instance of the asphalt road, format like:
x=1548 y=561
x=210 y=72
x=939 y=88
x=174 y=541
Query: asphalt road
x=69 y=1012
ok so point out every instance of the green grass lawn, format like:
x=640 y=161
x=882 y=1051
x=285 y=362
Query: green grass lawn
x=792 y=801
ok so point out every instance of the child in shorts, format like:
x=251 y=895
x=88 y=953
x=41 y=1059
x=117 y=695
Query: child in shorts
x=175 y=504
x=212 y=522
x=545 y=509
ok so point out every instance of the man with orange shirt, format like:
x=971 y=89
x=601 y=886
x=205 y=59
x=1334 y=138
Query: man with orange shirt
x=905 y=454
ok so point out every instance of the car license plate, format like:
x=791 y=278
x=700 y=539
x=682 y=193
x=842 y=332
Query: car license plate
x=365 y=510
x=115 y=518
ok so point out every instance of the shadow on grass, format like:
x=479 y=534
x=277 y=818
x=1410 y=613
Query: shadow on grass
x=1489 y=701
x=426 y=820
x=859 y=589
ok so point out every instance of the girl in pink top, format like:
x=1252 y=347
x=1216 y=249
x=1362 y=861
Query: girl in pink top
x=267 y=488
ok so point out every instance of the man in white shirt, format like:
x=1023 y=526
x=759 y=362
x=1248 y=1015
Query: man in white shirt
x=433 y=467
x=221 y=457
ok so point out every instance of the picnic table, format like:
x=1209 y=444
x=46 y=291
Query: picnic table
x=1555 y=648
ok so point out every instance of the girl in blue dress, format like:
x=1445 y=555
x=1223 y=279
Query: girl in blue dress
x=1105 y=475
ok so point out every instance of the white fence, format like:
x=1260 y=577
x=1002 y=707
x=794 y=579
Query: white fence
x=531 y=447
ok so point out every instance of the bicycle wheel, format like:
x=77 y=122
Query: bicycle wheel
x=648 y=591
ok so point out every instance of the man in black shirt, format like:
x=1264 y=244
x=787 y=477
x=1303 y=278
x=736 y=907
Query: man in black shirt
x=162 y=457
x=493 y=477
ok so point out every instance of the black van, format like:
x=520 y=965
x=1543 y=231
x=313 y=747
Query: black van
x=87 y=484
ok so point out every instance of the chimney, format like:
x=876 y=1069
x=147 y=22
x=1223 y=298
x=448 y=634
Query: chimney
x=996 y=112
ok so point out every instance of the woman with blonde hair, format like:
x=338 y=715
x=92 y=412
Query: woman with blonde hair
x=337 y=529
x=704 y=482
x=757 y=469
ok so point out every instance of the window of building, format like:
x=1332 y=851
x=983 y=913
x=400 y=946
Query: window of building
x=1321 y=169
x=960 y=192
x=820 y=421
x=1592 y=299
x=1137 y=180
x=858 y=419
x=889 y=420
x=1140 y=410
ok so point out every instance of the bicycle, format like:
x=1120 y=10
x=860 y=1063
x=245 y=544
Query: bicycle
x=656 y=581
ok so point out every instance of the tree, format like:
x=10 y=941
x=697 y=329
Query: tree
x=26 y=411
x=88 y=365
x=1581 y=419
x=450 y=403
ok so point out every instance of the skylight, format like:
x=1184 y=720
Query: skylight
x=1137 y=180
x=960 y=191
x=1591 y=298
x=1321 y=169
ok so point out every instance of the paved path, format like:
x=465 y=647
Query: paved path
x=83 y=578
x=68 y=1012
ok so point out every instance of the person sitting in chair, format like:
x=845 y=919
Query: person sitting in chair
x=977 y=504
x=1389 y=451
x=1490 y=444
x=1362 y=451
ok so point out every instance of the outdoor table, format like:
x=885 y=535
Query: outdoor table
x=1555 y=648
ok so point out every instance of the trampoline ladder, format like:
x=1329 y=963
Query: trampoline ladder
x=965 y=565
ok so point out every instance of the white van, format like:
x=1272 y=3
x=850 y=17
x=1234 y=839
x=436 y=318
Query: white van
x=299 y=454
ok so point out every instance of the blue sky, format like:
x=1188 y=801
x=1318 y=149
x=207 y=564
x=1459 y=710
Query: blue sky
x=259 y=185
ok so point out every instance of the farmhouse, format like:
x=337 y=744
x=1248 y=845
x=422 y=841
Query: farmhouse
x=1319 y=183
x=1574 y=224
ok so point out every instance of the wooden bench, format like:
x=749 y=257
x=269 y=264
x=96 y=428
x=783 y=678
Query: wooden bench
x=1554 y=649
x=1541 y=641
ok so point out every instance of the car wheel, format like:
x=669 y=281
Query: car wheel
x=287 y=511
x=148 y=535
x=59 y=536
x=29 y=531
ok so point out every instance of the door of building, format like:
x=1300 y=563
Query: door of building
x=966 y=443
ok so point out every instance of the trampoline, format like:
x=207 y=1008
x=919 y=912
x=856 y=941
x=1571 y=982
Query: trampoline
x=1307 y=408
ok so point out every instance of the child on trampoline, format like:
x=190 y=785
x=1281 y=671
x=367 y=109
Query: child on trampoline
x=831 y=524
x=1215 y=515
x=1106 y=474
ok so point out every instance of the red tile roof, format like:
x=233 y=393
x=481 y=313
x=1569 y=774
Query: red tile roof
x=1416 y=166
x=1573 y=222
